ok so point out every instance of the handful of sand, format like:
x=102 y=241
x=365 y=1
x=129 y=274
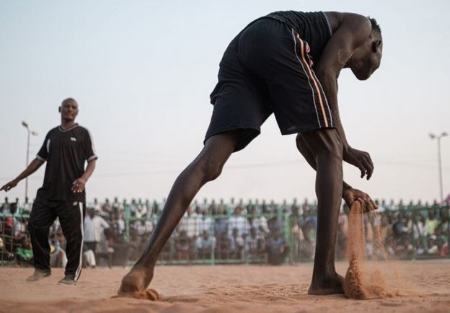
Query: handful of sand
x=359 y=283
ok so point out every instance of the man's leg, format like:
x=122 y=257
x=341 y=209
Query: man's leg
x=41 y=218
x=327 y=151
x=71 y=218
x=206 y=167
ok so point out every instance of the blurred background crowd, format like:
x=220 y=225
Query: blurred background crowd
x=211 y=232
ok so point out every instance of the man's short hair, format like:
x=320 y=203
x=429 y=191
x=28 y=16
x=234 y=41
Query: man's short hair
x=375 y=25
x=68 y=100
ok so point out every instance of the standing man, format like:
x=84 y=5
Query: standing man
x=94 y=226
x=286 y=63
x=66 y=149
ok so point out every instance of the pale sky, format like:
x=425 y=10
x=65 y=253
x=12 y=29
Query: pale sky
x=142 y=72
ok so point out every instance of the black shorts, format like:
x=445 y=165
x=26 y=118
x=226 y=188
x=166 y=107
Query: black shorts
x=266 y=68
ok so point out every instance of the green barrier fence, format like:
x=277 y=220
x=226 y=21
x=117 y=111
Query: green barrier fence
x=281 y=236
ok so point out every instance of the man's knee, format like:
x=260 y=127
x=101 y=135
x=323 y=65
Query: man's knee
x=214 y=155
x=210 y=169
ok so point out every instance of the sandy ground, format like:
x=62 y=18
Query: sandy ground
x=424 y=286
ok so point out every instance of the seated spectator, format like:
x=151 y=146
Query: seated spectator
x=205 y=222
x=442 y=243
x=236 y=244
x=190 y=224
x=431 y=222
x=419 y=233
x=220 y=221
x=443 y=227
x=139 y=227
x=259 y=223
x=400 y=228
x=58 y=256
x=8 y=228
x=309 y=227
x=222 y=246
x=205 y=245
x=105 y=249
x=20 y=228
x=24 y=253
x=277 y=248
x=238 y=222
x=183 y=246
x=433 y=248
x=254 y=245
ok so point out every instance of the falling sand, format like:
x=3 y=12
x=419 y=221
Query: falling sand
x=360 y=283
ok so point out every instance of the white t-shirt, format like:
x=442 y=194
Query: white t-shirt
x=93 y=228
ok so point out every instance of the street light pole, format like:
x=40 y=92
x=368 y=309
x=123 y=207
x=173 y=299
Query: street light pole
x=438 y=139
x=29 y=133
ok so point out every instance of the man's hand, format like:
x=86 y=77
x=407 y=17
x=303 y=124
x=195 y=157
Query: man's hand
x=78 y=185
x=350 y=195
x=10 y=185
x=361 y=160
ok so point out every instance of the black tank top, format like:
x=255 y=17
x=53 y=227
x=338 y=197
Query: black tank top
x=312 y=27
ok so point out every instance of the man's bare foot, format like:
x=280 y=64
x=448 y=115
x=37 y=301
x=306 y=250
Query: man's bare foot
x=135 y=283
x=327 y=286
x=38 y=275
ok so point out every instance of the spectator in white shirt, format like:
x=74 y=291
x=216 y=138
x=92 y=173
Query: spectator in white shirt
x=94 y=225
x=239 y=222
x=190 y=224
x=205 y=223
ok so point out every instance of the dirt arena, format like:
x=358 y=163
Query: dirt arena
x=423 y=286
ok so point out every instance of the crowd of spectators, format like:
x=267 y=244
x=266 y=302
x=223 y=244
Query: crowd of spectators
x=116 y=233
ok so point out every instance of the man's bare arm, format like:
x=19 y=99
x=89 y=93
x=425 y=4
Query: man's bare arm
x=31 y=168
x=349 y=193
x=352 y=32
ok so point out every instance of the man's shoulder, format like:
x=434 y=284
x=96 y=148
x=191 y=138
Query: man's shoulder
x=83 y=132
x=53 y=131
x=82 y=129
x=352 y=20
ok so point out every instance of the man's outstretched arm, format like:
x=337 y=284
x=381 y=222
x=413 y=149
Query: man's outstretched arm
x=352 y=32
x=31 y=168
